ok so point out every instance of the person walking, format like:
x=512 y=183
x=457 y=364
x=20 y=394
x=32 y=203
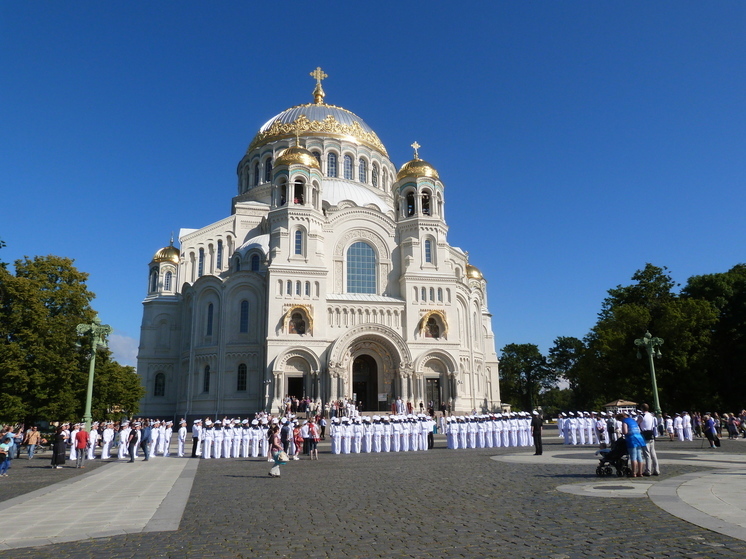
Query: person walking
x=33 y=438
x=275 y=450
x=5 y=447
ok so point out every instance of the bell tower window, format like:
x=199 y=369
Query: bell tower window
x=167 y=281
x=298 y=192
x=426 y=203
x=410 y=204
x=428 y=251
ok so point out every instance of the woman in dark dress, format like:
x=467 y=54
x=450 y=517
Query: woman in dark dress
x=59 y=448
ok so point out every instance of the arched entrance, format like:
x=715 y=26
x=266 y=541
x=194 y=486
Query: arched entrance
x=365 y=382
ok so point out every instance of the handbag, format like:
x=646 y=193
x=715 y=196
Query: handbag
x=283 y=457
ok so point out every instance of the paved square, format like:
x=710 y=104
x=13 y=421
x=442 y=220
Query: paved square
x=435 y=504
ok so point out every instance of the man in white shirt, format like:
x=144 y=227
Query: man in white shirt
x=648 y=424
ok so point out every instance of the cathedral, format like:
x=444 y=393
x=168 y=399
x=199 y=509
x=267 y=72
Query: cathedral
x=332 y=278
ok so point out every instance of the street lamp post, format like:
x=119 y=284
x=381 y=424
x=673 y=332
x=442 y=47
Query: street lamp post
x=98 y=334
x=652 y=347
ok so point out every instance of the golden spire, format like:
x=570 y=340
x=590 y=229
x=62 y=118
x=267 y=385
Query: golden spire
x=318 y=92
x=416 y=146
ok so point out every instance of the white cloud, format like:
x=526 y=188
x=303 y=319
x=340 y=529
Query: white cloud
x=123 y=349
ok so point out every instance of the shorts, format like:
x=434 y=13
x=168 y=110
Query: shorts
x=635 y=453
x=312 y=444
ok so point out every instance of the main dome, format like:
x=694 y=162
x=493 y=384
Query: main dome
x=317 y=120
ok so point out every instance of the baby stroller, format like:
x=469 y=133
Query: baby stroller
x=613 y=458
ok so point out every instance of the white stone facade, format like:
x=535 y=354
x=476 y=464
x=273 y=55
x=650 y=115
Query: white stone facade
x=322 y=282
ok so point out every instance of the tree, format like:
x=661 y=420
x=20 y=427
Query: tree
x=524 y=373
x=725 y=355
x=117 y=389
x=608 y=369
x=43 y=361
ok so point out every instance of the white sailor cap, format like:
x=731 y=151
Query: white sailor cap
x=137 y=423
x=535 y=412
x=208 y=422
x=245 y=422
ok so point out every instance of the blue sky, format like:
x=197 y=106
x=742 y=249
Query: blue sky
x=577 y=140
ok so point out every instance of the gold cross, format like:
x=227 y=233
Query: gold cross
x=318 y=74
x=297 y=133
x=416 y=146
x=318 y=92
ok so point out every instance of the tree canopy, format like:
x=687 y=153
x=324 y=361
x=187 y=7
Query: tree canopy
x=43 y=361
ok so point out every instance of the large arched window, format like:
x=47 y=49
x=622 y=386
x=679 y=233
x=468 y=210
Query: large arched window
x=348 y=167
x=208 y=329
x=241 y=378
x=206 y=379
x=428 y=251
x=374 y=175
x=331 y=164
x=362 y=171
x=268 y=170
x=243 y=321
x=201 y=263
x=298 y=248
x=317 y=155
x=167 y=281
x=256 y=173
x=219 y=258
x=159 y=389
x=255 y=262
x=361 y=268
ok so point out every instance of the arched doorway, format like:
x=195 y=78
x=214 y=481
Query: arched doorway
x=365 y=382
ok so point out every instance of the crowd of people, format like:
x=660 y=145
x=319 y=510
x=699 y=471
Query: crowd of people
x=350 y=432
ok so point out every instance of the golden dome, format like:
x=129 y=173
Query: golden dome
x=297 y=155
x=167 y=254
x=417 y=168
x=472 y=272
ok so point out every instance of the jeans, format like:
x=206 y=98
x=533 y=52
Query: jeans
x=4 y=466
x=80 y=458
x=31 y=450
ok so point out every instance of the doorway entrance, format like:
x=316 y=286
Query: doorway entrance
x=295 y=387
x=365 y=382
x=432 y=392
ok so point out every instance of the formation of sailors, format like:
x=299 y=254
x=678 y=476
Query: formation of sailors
x=588 y=427
x=489 y=430
x=387 y=433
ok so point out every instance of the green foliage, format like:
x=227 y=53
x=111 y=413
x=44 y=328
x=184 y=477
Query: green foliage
x=555 y=400
x=523 y=374
x=43 y=362
x=117 y=389
x=725 y=355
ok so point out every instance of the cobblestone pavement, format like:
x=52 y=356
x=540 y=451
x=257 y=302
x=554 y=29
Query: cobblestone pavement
x=435 y=504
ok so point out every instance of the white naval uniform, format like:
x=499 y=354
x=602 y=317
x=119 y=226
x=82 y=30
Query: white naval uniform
x=182 y=440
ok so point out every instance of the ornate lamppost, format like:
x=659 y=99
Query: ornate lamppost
x=98 y=334
x=652 y=347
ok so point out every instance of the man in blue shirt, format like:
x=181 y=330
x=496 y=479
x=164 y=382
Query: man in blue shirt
x=145 y=439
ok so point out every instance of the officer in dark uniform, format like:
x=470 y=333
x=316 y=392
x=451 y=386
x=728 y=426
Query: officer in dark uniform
x=536 y=432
